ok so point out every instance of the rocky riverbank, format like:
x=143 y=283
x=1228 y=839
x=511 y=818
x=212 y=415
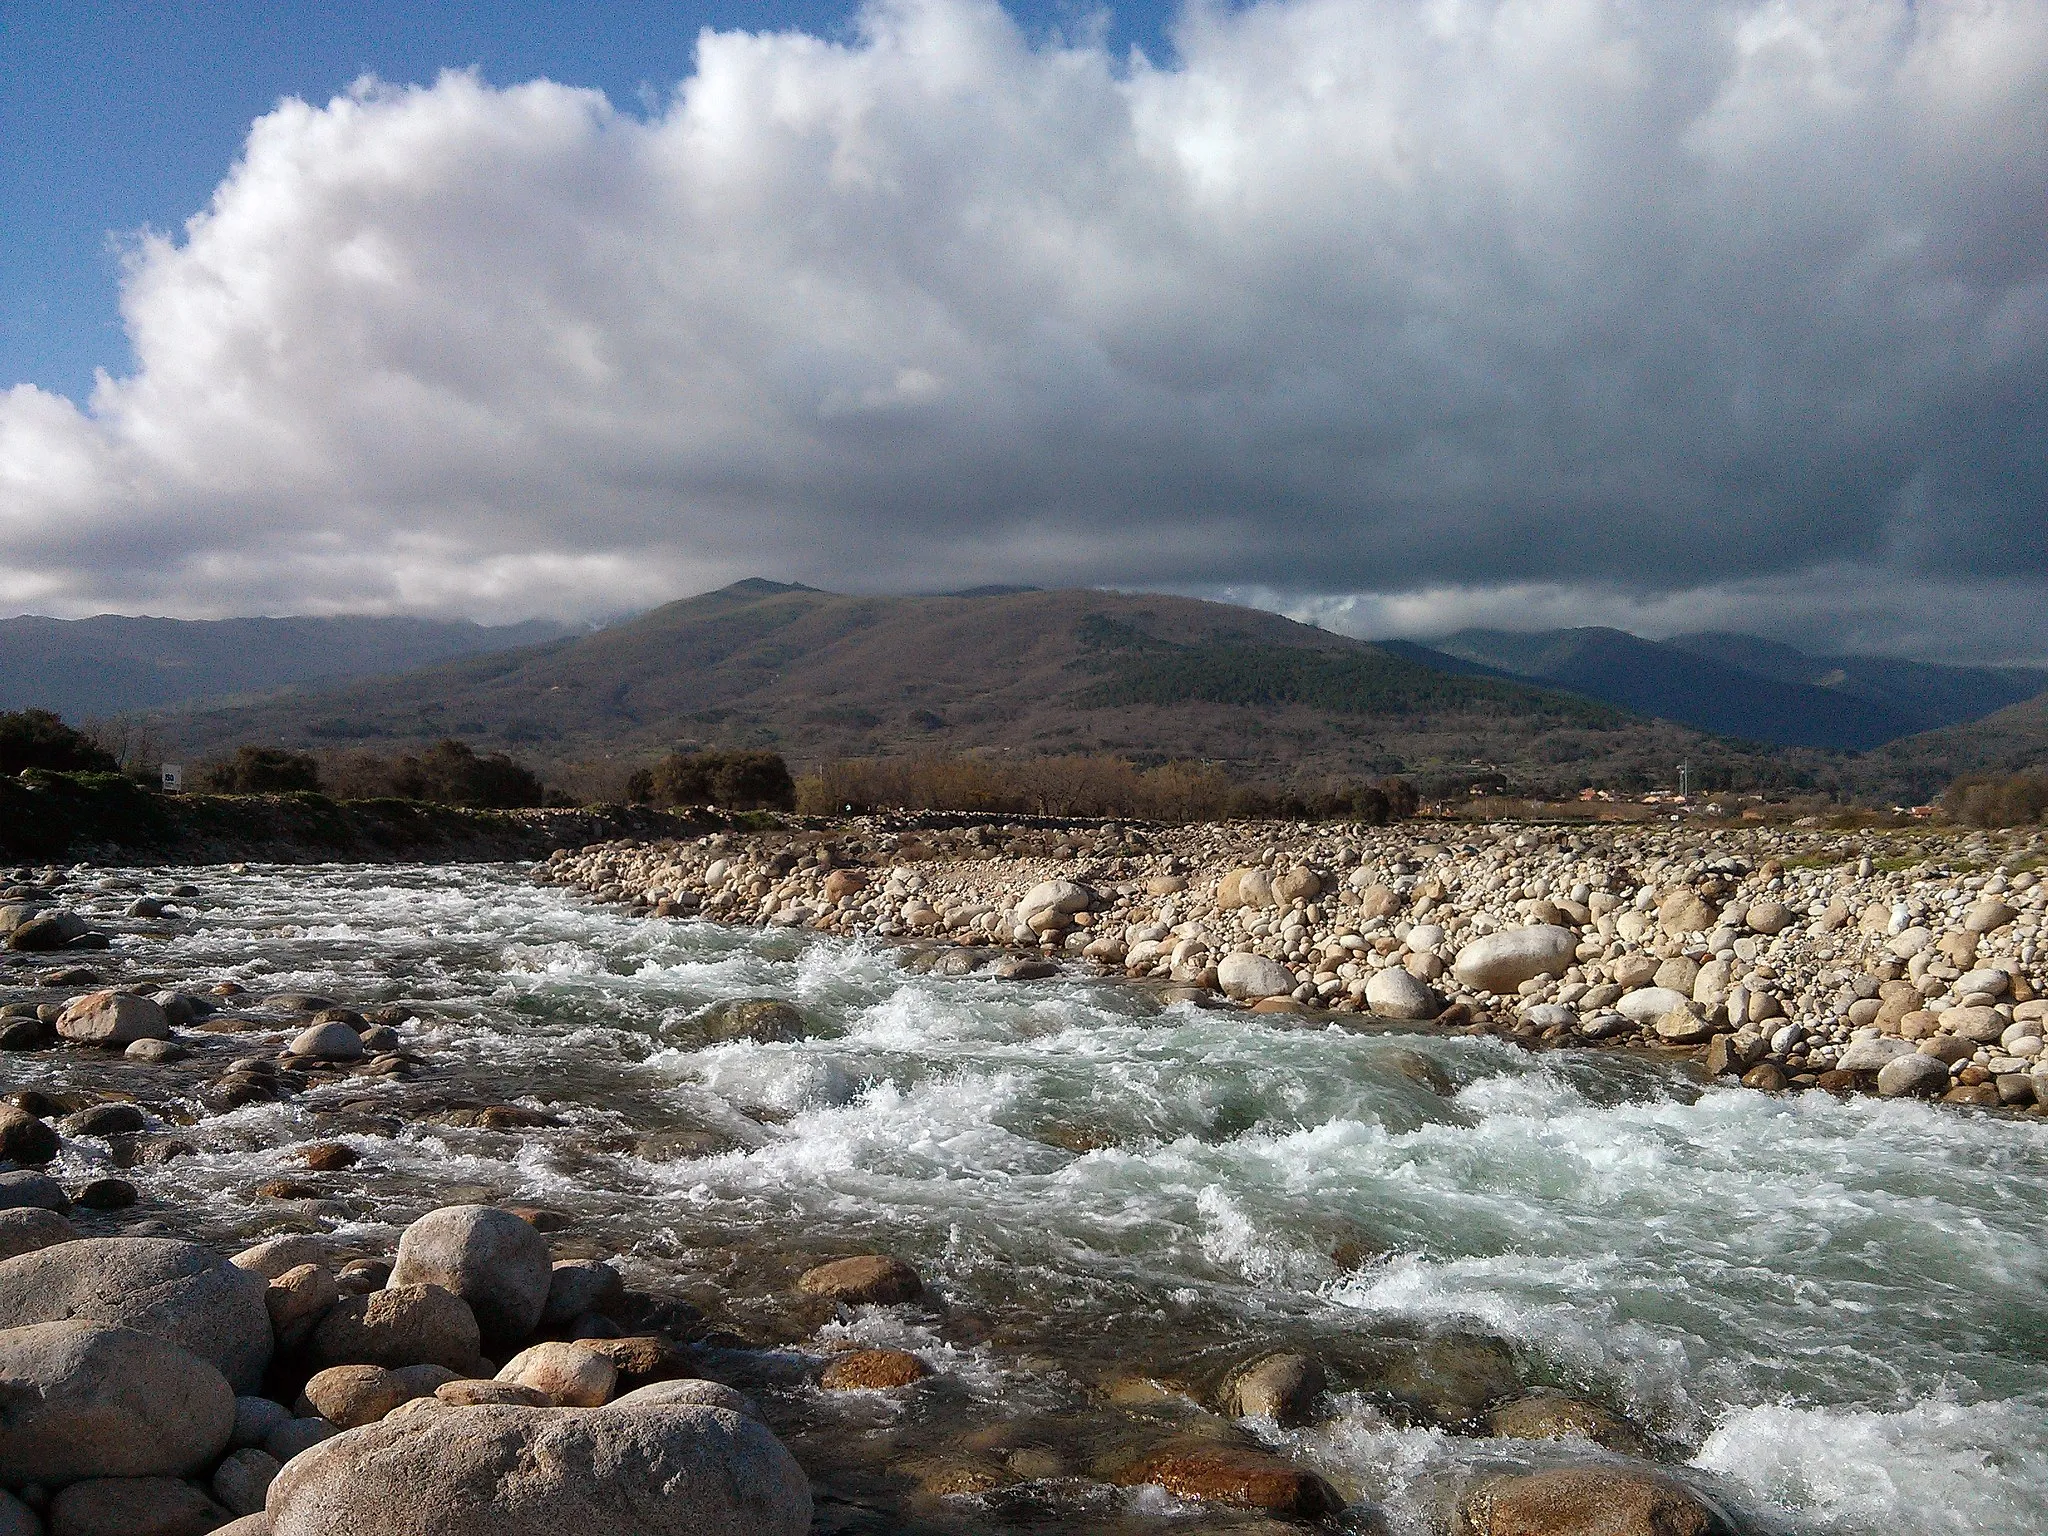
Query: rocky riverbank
x=1787 y=958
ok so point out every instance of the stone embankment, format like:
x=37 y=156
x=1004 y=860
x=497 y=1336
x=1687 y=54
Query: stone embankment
x=1786 y=958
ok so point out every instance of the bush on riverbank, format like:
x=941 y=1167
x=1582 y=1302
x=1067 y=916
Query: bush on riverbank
x=1087 y=785
x=259 y=771
x=36 y=738
x=733 y=781
x=1995 y=800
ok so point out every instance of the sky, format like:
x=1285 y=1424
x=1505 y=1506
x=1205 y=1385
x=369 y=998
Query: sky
x=1397 y=314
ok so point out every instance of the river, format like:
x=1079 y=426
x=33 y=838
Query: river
x=1831 y=1311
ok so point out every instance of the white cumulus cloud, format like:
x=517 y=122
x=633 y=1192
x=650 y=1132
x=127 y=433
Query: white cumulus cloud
x=1727 y=307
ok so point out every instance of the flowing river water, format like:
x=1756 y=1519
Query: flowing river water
x=1831 y=1313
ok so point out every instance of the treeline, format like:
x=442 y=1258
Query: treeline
x=1998 y=800
x=1076 y=785
x=447 y=773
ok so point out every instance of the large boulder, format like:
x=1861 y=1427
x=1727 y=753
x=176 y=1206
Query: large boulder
x=494 y=1470
x=79 y=1399
x=763 y=1020
x=1249 y=977
x=46 y=930
x=1911 y=1074
x=25 y=1139
x=25 y=1228
x=113 y=1018
x=1064 y=896
x=16 y=1518
x=134 y=1506
x=25 y=1189
x=1587 y=1501
x=1394 y=994
x=1501 y=962
x=176 y=1291
x=398 y=1326
x=1250 y=887
x=1646 y=1005
x=489 y=1257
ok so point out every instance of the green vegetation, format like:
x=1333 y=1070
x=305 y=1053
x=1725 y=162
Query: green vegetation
x=259 y=771
x=734 y=781
x=36 y=738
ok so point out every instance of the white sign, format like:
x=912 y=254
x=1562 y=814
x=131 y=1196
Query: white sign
x=174 y=778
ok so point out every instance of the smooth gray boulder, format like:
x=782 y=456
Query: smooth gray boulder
x=332 y=1041
x=1249 y=977
x=1501 y=962
x=489 y=1257
x=80 y=1399
x=25 y=1189
x=1912 y=1074
x=496 y=1470
x=176 y=1291
x=398 y=1326
x=1873 y=1053
x=1394 y=994
x=25 y=1228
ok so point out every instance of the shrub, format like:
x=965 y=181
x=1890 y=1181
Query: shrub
x=736 y=781
x=2016 y=800
x=259 y=771
x=452 y=773
x=37 y=738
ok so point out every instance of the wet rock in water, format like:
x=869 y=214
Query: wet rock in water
x=1547 y=1415
x=22 y=1189
x=873 y=1370
x=470 y=1393
x=1394 y=994
x=298 y=1002
x=133 y=1506
x=26 y=1034
x=1765 y=1077
x=113 y=1018
x=1253 y=978
x=25 y=1228
x=107 y=1195
x=243 y=1478
x=1419 y=1068
x=1243 y=1476
x=1587 y=1501
x=350 y=1396
x=1449 y=1379
x=490 y=1258
x=764 y=1020
x=51 y=930
x=104 y=1120
x=689 y=1392
x=579 y=1286
x=504 y=1471
x=960 y=962
x=173 y=1290
x=329 y=1157
x=398 y=1326
x=86 y=1400
x=1019 y=968
x=298 y=1299
x=571 y=1375
x=865 y=1280
x=331 y=1041
x=25 y=1139
x=1282 y=1386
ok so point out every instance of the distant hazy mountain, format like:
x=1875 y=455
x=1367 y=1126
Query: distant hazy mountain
x=1930 y=695
x=817 y=675
x=110 y=665
x=1742 y=686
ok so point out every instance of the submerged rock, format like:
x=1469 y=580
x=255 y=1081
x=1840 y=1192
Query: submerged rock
x=764 y=1020
x=1587 y=1501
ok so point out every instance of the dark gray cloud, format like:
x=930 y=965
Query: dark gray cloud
x=1402 y=312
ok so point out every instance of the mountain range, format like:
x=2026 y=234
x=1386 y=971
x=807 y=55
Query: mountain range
x=110 y=665
x=818 y=675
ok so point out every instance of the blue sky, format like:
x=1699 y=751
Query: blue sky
x=117 y=116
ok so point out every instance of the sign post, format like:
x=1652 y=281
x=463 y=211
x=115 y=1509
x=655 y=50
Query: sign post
x=174 y=778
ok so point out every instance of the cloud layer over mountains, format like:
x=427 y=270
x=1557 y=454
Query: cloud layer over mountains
x=1734 y=308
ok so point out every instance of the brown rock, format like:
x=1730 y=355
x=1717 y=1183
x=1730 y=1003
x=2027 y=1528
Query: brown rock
x=571 y=1375
x=869 y=1279
x=354 y=1395
x=25 y=1140
x=399 y=1325
x=1765 y=1076
x=1837 y=1081
x=1238 y=1475
x=468 y=1392
x=873 y=1370
x=330 y=1156
x=1547 y=1415
x=1283 y=1387
x=642 y=1360
x=298 y=1299
x=1586 y=1501
x=134 y=1506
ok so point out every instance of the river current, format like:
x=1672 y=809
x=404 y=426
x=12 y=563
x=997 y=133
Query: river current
x=1831 y=1311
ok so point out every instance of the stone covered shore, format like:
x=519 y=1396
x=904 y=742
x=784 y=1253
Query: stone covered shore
x=1789 y=958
